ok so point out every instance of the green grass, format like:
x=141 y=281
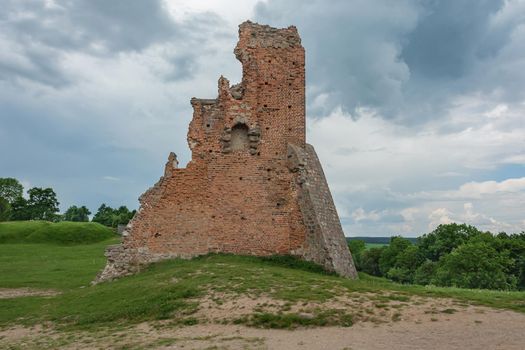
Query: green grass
x=294 y=320
x=375 y=245
x=171 y=289
x=65 y=233
x=49 y=266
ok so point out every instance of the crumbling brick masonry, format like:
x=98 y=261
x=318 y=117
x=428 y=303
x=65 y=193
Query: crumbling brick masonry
x=253 y=186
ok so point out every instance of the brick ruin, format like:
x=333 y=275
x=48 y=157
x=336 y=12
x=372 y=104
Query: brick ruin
x=253 y=185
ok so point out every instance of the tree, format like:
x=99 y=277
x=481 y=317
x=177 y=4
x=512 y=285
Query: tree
x=389 y=257
x=124 y=215
x=42 y=204
x=10 y=189
x=104 y=215
x=74 y=213
x=5 y=209
x=20 y=210
x=476 y=265
x=400 y=260
x=444 y=239
x=370 y=261
x=108 y=216
x=406 y=264
x=357 y=247
x=514 y=245
x=425 y=272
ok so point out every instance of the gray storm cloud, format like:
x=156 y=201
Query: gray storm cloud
x=404 y=98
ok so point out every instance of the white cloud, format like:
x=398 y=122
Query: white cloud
x=408 y=213
x=360 y=214
x=360 y=148
x=402 y=153
x=477 y=189
x=412 y=179
x=439 y=216
x=111 y=178
x=233 y=11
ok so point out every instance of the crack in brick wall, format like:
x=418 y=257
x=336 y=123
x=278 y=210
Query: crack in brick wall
x=253 y=186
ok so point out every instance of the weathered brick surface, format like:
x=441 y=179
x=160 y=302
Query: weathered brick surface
x=240 y=193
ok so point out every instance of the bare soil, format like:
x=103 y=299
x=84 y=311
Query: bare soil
x=8 y=293
x=421 y=323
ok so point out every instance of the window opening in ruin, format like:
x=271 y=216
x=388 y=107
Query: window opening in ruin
x=239 y=137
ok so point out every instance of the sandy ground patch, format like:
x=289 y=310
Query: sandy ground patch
x=8 y=293
x=471 y=327
x=365 y=307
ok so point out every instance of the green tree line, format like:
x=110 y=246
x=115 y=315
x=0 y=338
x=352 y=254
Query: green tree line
x=42 y=204
x=456 y=255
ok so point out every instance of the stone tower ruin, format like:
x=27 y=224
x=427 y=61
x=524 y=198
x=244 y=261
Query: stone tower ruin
x=253 y=185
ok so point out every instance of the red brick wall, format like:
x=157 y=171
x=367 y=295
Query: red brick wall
x=235 y=199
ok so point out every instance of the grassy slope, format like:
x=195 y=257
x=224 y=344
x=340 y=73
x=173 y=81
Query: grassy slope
x=169 y=289
x=50 y=266
x=66 y=233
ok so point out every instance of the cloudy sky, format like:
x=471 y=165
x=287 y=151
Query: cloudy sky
x=416 y=107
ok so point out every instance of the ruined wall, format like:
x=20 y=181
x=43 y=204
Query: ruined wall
x=238 y=193
x=325 y=242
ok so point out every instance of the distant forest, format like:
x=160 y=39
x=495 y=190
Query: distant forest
x=453 y=255
x=377 y=240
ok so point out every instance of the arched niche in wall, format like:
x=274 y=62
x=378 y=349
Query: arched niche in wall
x=239 y=137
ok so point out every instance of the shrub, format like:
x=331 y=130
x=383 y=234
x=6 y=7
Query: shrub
x=425 y=272
x=370 y=261
x=400 y=274
x=293 y=263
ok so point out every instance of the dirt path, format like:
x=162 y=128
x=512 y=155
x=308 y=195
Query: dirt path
x=469 y=328
x=8 y=293
x=472 y=328
x=492 y=330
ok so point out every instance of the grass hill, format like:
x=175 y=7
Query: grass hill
x=64 y=233
x=282 y=292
